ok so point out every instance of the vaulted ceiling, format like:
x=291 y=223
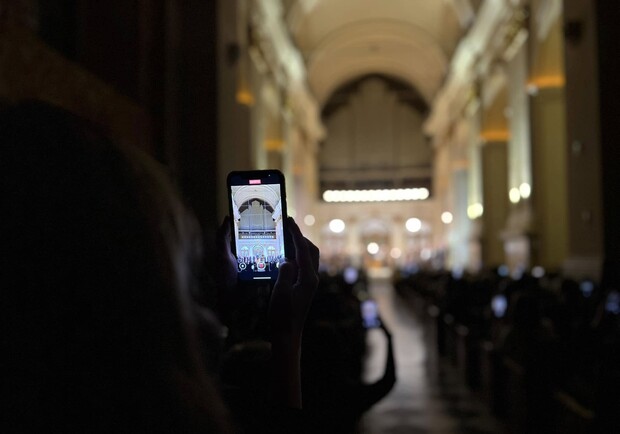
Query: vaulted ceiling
x=410 y=40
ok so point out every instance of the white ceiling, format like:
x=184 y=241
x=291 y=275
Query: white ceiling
x=341 y=40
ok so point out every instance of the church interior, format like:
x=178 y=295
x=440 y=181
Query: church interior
x=456 y=161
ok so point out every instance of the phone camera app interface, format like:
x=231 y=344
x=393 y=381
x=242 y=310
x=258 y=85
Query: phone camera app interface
x=258 y=227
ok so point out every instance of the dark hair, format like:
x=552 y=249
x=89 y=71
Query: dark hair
x=96 y=270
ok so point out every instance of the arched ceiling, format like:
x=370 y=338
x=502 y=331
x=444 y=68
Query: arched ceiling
x=341 y=40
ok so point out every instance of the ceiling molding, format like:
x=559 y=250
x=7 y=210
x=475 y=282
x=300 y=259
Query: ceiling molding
x=286 y=64
x=475 y=54
x=385 y=46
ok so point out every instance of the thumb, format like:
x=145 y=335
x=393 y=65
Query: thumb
x=287 y=275
x=280 y=313
x=222 y=235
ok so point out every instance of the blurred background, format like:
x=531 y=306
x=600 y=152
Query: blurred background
x=459 y=158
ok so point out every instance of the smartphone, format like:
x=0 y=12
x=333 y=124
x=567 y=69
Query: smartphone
x=499 y=305
x=257 y=207
x=370 y=314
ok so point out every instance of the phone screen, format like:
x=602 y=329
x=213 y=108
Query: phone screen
x=370 y=314
x=499 y=305
x=258 y=213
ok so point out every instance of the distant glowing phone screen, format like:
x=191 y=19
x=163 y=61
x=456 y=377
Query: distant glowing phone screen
x=258 y=229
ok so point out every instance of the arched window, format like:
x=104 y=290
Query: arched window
x=256 y=221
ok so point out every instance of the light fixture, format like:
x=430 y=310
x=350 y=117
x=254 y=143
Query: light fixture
x=525 y=189
x=385 y=195
x=446 y=217
x=372 y=248
x=309 y=220
x=396 y=253
x=475 y=210
x=514 y=195
x=413 y=224
x=336 y=226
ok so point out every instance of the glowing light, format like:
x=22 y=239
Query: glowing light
x=547 y=82
x=538 y=272
x=514 y=195
x=385 y=195
x=495 y=136
x=274 y=144
x=446 y=217
x=413 y=224
x=245 y=97
x=309 y=220
x=525 y=189
x=503 y=270
x=396 y=253
x=612 y=303
x=350 y=275
x=499 y=305
x=336 y=226
x=475 y=210
x=587 y=287
x=457 y=272
x=372 y=248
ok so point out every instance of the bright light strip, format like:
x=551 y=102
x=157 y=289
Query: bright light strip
x=387 y=195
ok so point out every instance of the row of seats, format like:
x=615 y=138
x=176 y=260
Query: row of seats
x=543 y=352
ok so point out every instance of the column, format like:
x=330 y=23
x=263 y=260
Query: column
x=475 y=204
x=584 y=120
x=549 y=188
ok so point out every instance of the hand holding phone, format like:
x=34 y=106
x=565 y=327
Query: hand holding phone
x=226 y=262
x=260 y=240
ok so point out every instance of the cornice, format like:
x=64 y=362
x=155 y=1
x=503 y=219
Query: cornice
x=497 y=28
x=272 y=45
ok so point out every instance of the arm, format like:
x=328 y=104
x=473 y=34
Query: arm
x=369 y=394
x=290 y=301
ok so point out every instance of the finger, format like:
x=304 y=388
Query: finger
x=287 y=276
x=302 y=253
x=314 y=254
x=226 y=261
